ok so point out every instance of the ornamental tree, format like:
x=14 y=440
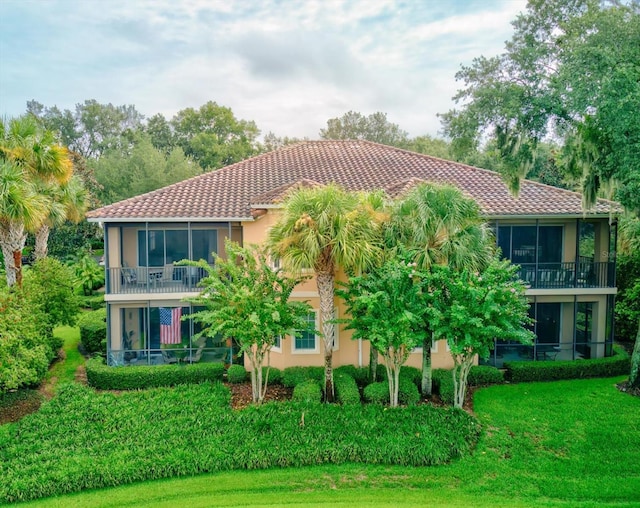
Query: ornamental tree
x=471 y=310
x=387 y=308
x=245 y=298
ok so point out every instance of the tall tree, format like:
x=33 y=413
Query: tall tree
x=245 y=298
x=375 y=127
x=213 y=136
x=30 y=158
x=438 y=225
x=325 y=229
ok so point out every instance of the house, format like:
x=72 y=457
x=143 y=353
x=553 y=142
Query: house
x=566 y=255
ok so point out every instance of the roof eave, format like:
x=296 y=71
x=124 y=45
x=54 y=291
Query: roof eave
x=169 y=219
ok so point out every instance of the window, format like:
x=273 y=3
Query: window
x=522 y=244
x=277 y=345
x=161 y=247
x=307 y=341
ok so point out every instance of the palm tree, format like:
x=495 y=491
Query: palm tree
x=438 y=225
x=30 y=157
x=68 y=201
x=325 y=229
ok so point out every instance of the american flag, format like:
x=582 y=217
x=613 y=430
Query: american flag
x=170 y=325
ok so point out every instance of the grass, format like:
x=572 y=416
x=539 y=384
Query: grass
x=565 y=443
x=64 y=371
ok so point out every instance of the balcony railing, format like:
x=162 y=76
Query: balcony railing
x=154 y=279
x=584 y=274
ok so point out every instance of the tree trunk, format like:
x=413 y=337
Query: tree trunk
x=426 y=365
x=42 y=240
x=325 y=283
x=12 y=241
x=373 y=364
x=634 y=378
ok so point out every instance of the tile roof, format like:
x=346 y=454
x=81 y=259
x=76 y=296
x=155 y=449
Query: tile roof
x=230 y=192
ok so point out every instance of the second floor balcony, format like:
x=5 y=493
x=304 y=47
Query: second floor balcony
x=154 y=279
x=583 y=274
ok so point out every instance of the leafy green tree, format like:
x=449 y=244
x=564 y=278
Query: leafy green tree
x=438 y=225
x=272 y=142
x=325 y=229
x=161 y=133
x=572 y=71
x=245 y=298
x=89 y=275
x=429 y=145
x=139 y=169
x=375 y=127
x=29 y=159
x=387 y=309
x=213 y=136
x=471 y=310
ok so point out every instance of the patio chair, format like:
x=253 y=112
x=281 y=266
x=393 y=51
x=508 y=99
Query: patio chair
x=169 y=357
x=167 y=274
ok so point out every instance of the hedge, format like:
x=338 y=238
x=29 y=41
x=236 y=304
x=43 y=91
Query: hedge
x=443 y=385
x=93 y=331
x=359 y=374
x=236 y=374
x=615 y=365
x=293 y=376
x=378 y=393
x=307 y=392
x=83 y=439
x=275 y=375
x=137 y=377
x=346 y=388
x=478 y=375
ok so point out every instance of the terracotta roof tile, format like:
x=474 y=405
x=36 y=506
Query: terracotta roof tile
x=230 y=192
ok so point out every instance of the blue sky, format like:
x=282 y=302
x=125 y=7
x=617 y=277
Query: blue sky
x=288 y=65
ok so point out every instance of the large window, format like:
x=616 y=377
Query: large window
x=307 y=341
x=165 y=246
x=518 y=243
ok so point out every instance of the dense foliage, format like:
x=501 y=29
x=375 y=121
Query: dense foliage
x=308 y=392
x=83 y=439
x=93 y=331
x=139 y=377
x=553 y=370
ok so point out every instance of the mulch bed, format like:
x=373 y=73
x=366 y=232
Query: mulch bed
x=242 y=397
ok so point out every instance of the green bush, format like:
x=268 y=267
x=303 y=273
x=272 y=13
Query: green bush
x=443 y=385
x=480 y=375
x=377 y=393
x=137 y=377
x=359 y=374
x=615 y=365
x=293 y=376
x=83 y=439
x=93 y=331
x=94 y=302
x=275 y=375
x=307 y=392
x=236 y=374
x=346 y=388
x=411 y=373
x=408 y=393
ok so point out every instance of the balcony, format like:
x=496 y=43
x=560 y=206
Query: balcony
x=152 y=279
x=584 y=274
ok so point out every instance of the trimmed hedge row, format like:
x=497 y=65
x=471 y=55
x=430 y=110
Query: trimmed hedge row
x=93 y=331
x=359 y=374
x=346 y=388
x=137 y=377
x=307 y=392
x=236 y=374
x=378 y=393
x=86 y=440
x=615 y=365
x=293 y=376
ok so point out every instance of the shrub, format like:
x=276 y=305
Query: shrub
x=408 y=393
x=136 y=377
x=86 y=440
x=485 y=375
x=346 y=388
x=359 y=374
x=307 y=391
x=293 y=376
x=412 y=374
x=93 y=331
x=275 y=375
x=377 y=393
x=236 y=374
x=615 y=365
x=443 y=385
x=94 y=302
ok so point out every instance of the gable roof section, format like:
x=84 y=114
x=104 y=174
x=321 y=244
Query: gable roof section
x=231 y=192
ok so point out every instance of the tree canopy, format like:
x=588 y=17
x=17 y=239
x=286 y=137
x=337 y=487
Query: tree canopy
x=571 y=72
x=375 y=127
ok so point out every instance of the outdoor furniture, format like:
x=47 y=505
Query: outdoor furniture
x=169 y=357
x=167 y=274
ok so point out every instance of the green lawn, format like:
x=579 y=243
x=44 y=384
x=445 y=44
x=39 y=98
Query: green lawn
x=63 y=371
x=566 y=443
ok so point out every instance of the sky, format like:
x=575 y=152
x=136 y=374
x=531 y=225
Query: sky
x=287 y=65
